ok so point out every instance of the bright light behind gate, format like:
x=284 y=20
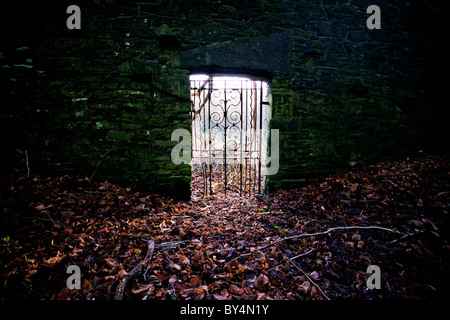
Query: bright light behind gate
x=230 y=121
x=231 y=82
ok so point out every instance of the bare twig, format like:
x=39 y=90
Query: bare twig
x=5 y=284
x=101 y=160
x=403 y=237
x=169 y=245
x=303 y=254
x=309 y=279
x=328 y=231
x=28 y=166
x=137 y=271
x=68 y=194
x=240 y=256
x=263 y=198
x=56 y=223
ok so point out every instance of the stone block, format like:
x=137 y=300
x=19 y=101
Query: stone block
x=324 y=29
x=119 y=135
x=358 y=36
x=139 y=66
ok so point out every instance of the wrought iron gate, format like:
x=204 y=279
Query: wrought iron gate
x=229 y=120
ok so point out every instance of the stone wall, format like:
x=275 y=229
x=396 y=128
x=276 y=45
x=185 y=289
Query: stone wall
x=107 y=97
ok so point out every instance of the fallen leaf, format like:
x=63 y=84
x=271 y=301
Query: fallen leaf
x=173 y=279
x=260 y=296
x=259 y=256
x=233 y=289
x=63 y=294
x=415 y=223
x=305 y=287
x=224 y=293
x=148 y=288
x=196 y=281
x=219 y=297
x=40 y=207
x=261 y=281
x=314 y=275
x=86 y=285
x=122 y=273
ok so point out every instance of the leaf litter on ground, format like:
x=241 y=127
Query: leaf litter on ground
x=313 y=242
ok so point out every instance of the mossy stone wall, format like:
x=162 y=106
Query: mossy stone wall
x=115 y=90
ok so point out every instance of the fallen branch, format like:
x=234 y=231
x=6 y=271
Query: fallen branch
x=28 y=166
x=309 y=279
x=68 y=194
x=240 y=256
x=56 y=223
x=326 y=232
x=4 y=285
x=263 y=198
x=137 y=271
x=403 y=237
x=170 y=245
x=303 y=254
x=100 y=162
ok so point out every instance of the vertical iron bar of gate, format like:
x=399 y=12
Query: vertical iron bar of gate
x=202 y=142
x=244 y=173
x=210 y=88
x=253 y=141
x=248 y=177
x=192 y=126
x=201 y=98
x=248 y=144
x=225 y=135
x=255 y=115
x=195 y=122
x=260 y=135
x=240 y=146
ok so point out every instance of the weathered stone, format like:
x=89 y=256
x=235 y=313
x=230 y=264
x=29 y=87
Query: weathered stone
x=324 y=29
x=357 y=36
x=139 y=67
x=269 y=54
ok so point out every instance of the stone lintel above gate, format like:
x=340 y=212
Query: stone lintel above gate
x=265 y=55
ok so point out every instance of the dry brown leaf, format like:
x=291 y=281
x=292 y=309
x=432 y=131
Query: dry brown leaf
x=40 y=207
x=148 y=288
x=233 y=289
x=260 y=296
x=219 y=297
x=224 y=293
x=173 y=279
x=63 y=294
x=122 y=274
x=305 y=287
x=259 y=256
x=112 y=263
x=196 y=281
x=314 y=275
x=261 y=281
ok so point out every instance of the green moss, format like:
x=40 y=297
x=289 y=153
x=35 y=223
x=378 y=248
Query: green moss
x=282 y=103
x=119 y=135
x=132 y=126
x=98 y=125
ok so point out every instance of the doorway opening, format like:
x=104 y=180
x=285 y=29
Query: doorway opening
x=229 y=124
